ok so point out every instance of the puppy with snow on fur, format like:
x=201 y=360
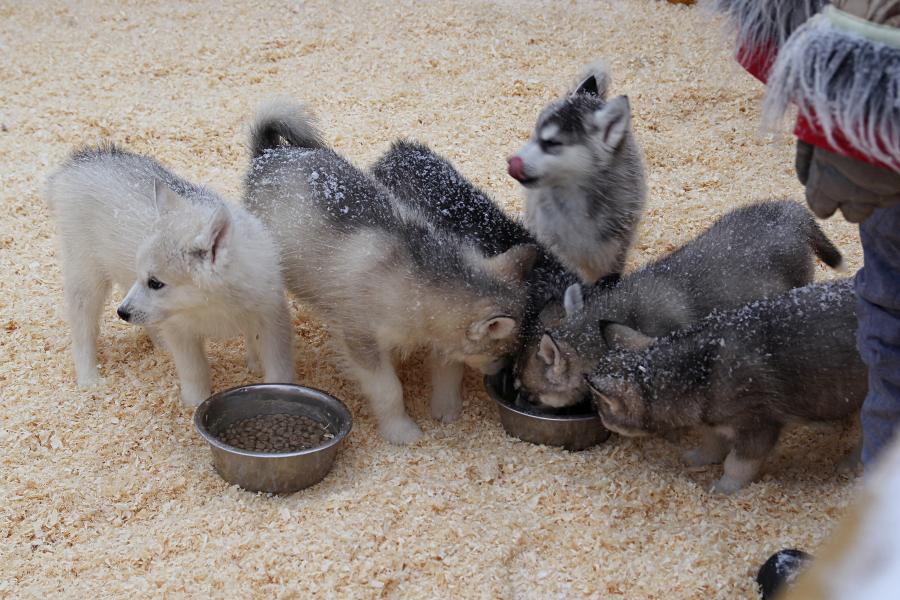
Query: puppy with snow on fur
x=584 y=180
x=378 y=274
x=194 y=265
x=759 y=250
x=740 y=375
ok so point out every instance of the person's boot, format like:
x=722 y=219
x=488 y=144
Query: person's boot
x=780 y=571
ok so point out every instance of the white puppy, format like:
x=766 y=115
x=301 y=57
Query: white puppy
x=196 y=265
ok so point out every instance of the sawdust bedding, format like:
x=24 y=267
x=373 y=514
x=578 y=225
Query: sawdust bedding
x=109 y=492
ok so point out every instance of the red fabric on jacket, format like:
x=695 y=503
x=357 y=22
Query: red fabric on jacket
x=758 y=62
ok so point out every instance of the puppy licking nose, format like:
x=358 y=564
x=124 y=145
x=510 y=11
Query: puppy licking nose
x=515 y=168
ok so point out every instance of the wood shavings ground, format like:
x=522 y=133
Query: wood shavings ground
x=110 y=493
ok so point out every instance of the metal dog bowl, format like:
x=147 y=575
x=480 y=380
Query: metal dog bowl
x=277 y=472
x=573 y=432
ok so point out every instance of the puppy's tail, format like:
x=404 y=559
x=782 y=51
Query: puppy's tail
x=283 y=123
x=824 y=248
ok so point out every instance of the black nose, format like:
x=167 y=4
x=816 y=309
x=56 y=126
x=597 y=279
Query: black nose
x=123 y=314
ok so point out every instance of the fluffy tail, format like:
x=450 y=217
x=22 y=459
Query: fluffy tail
x=283 y=123
x=824 y=248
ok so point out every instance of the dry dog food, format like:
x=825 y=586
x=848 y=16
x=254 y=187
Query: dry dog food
x=276 y=433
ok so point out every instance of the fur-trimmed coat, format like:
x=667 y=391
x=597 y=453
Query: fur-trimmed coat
x=838 y=62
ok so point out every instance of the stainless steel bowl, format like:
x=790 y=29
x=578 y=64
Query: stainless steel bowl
x=282 y=472
x=572 y=432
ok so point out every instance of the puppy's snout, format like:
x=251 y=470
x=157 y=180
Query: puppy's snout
x=496 y=366
x=516 y=168
x=123 y=313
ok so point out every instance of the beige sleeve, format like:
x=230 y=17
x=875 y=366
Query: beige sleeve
x=882 y=12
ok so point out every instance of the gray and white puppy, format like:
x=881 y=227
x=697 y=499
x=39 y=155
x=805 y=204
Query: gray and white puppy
x=194 y=265
x=584 y=178
x=755 y=251
x=381 y=277
x=741 y=375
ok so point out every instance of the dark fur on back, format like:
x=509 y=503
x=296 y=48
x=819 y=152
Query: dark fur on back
x=332 y=181
x=427 y=182
x=422 y=179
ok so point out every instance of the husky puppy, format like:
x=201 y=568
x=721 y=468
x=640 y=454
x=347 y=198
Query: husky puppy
x=742 y=375
x=428 y=183
x=383 y=279
x=584 y=178
x=752 y=252
x=196 y=265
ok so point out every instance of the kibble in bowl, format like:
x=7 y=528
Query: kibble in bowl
x=273 y=437
x=276 y=433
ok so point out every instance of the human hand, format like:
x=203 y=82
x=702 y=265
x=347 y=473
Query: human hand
x=837 y=182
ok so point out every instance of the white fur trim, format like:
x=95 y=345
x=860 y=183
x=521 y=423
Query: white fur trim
x=759 y=23
x=850 y=84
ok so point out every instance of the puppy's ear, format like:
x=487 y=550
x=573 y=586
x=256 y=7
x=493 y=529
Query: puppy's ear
x=211 y=243
x=622 y=337
x=514 y=264
x=608 y=393
x=573 y=300
x=494 y=328
x=588 y=86
x=612 y=121
x=552 y=355
x=594 y=80
x=165 y=199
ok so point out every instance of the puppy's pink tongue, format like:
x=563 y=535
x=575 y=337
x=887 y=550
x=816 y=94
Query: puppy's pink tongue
x=515 y=168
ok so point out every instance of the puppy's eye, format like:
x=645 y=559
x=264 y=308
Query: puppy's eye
x=551 y=143
x=155 y=284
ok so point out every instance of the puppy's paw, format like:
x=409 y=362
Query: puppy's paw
x=253 y=364
x=728 y=485
x=90 y=380
x=193 y=397
x=698 y=458
x=400 y=431
x=446 y=408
